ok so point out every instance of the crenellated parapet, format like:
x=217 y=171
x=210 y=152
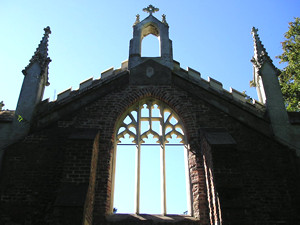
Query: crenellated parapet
x=90 y=82
x=190 y=74
x=212 y=84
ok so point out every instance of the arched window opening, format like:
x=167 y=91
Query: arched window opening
x=151 y=164
x=150 y=46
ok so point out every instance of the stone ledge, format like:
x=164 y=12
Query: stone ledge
x=150 y=217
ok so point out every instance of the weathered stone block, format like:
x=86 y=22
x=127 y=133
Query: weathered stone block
x=64 y=94
x=86 y=83
x=107 y=73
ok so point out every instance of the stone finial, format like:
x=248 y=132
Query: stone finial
x=151 y=9
x=164 y=19
x=41 y=53
x=47 y=31
x=1 y=105
x=254 y=31
x=137 y=20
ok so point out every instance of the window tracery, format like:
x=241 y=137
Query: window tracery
x=151 y=124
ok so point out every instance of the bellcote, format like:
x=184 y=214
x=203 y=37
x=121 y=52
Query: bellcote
x=160 y=29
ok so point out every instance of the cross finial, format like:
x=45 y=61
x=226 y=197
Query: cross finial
x=151 y=9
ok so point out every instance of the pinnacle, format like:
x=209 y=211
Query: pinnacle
x=260 y=53
x=43 y=46
x=41 y=53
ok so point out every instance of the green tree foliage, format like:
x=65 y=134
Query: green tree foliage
x=290 y=75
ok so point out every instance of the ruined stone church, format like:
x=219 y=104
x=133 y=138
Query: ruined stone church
x=239 y=157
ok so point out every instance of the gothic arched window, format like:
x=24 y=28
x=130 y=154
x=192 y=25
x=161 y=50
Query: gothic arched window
x=150 y=172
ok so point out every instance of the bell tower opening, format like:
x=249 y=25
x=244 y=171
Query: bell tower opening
x=151 y=46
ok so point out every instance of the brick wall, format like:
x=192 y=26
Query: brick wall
x=256 y=182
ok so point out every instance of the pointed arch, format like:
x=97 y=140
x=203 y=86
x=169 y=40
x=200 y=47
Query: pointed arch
x=158 y=134
x=149 y=32
x=150 y=46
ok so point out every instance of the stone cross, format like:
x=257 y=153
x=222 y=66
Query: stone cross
x=151 y=9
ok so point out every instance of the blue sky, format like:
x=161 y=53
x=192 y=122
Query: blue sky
x=88 y=37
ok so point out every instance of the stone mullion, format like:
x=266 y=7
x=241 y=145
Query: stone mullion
x=138 y=160
x=163 y=165
x=149 y=105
